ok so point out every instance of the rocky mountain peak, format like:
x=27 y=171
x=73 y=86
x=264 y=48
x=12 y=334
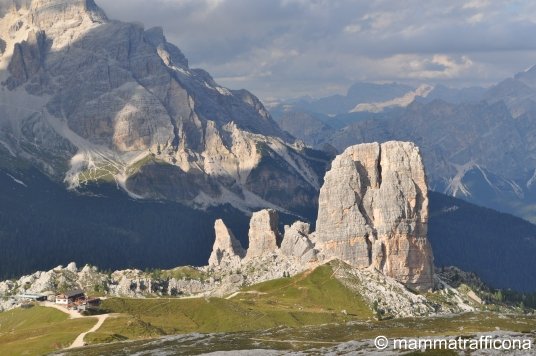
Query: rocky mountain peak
x=45 y=11
x=373 y=212
x=55 y=16
x=110 y=101
x=62 y=22
x=527 y=77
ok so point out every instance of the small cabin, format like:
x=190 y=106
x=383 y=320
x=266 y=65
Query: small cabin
x=71 y=297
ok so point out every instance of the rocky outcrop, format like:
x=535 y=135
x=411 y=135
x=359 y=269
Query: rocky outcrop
x=373 y=216
x=28 y=58
x=227 y=250
x=380 y=292
x=296 y=242
x=373 y=211
x=263 y=233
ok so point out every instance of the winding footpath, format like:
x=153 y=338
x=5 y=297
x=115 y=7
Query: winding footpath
x=79 y=341
x=73 y=314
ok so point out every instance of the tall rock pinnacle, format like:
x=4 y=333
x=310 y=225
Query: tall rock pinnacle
x=373 y=211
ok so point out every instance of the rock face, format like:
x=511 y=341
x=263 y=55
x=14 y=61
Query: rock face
x=227 y=250
x=373 y=211
x=263 y=233
x=296 y=242
x=28 y=58
x=111 y=101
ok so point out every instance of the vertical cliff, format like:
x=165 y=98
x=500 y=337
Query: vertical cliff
x=373 y=211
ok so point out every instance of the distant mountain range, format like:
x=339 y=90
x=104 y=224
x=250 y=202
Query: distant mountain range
x=357 y=94
x=478 y=144
x=372 y=98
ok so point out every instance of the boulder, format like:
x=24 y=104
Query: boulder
x=72 y=267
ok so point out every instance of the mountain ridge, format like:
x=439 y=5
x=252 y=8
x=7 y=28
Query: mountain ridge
x=478 y=145
x=102 y=98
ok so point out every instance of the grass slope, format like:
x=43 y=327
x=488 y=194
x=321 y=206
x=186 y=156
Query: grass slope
x=38 y=330
x=317 y=291
x=313 y=338
x=310 y=298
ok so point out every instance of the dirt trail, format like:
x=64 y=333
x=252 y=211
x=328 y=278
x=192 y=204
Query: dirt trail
x=73 y=314
x=298 y=341
x=244 y=292
x=79 y=341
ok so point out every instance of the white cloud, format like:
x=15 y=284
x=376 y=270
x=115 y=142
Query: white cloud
x=476 y=4
x=294 y=47
x=353 y=28
x=476 y=18
x=423 y=68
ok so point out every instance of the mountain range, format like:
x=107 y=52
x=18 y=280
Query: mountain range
x=118 y=152
x=478 y=144
x=88 y=99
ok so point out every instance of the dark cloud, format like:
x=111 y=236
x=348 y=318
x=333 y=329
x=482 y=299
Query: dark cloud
x=282 y=48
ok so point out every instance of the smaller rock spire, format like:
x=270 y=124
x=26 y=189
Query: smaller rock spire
x=227 y=249
x=297 y=243
x=263 y=233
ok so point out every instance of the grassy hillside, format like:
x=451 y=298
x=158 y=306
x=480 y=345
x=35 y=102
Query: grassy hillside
x=316 y=291
x=38 y=330
x=310 y=298
x=315 y=338
x=308 y=311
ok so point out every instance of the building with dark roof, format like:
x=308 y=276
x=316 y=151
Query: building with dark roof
x=70 y=297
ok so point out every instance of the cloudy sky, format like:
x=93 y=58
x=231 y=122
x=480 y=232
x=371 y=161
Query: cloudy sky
x=290 y=48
